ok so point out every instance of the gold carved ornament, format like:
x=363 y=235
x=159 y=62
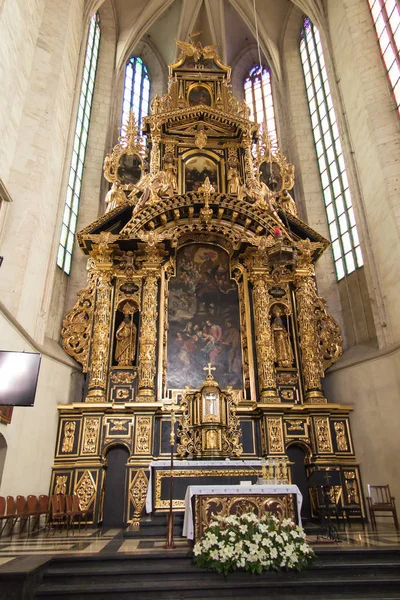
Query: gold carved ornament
x=77 y=326
x=188 y=440
x=330 y=339
x=61 y=484
x=351 y=487
x=85 y=489
x=341 y=440
x=231 y=435
x=206 y=507
x=323 y=434
x=90 y=435
x=143 y=435
x=69 y=436
x=275 y=434
x=129 y=144
x=137 y=494
x=119 y=424
x=121 y=377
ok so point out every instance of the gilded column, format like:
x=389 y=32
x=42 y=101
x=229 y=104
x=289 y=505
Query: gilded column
x=311 y=358
x=148 y=339
x=102 y=266
x=155 y=150
x=264 y=342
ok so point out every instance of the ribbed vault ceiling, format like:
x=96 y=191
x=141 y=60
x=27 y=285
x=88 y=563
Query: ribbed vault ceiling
x=228 y=23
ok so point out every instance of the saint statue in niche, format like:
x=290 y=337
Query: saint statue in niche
x=170 y=173
x=211 y=439
x=233 y=177
x=283 y=349
x=126 y=342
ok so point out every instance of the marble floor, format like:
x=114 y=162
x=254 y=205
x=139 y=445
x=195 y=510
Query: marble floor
x=111 y=541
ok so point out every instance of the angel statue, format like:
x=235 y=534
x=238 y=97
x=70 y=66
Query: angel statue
x=196 y=49
x=115 y=196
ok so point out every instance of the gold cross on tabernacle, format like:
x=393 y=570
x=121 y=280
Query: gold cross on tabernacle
x=209 y=368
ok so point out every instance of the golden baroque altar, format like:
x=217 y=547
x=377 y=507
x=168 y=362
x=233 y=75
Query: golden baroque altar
x=199 y=258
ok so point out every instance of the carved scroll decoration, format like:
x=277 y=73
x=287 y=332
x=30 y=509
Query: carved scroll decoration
x=275 y=434
x=340 y=431
x=90 y=435
x=143 y=435
x=85 y=490
x=61 y=484
x=330 y=339
x=69 y=436
x=324 y=442
x=77 y=327
x=137 y=494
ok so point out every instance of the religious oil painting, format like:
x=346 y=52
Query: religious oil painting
x=129 y=170
x=197 y=169
x=203 y=314
x=199 y=94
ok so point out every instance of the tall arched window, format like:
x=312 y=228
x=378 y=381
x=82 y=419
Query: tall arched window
x=136 y=90
x=386 y=17
x=338 y=203
x=70 y=216
x=258 y=94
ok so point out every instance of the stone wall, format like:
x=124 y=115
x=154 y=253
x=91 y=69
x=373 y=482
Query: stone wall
x=373 y=127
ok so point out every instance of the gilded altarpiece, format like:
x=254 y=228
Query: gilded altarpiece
x=200 y=258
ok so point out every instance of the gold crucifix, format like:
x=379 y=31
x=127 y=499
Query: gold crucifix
x=209 y=368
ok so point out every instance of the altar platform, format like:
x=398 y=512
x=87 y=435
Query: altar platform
x=366 y=565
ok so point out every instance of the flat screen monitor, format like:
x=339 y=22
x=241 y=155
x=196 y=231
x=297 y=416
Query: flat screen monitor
x=19 y=372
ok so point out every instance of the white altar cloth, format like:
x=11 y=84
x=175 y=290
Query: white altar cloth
x=193 y=490
x=178 y=464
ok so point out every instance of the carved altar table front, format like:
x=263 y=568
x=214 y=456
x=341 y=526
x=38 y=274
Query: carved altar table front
x=195 y=472
x=203 y=502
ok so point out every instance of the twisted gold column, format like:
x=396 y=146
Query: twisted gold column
x=148 y=339
x=311 y=359
x=101 y=334
x=264 y=342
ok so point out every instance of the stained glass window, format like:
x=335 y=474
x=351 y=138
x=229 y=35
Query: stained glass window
x=386 y=17
x=258 y=95
x=338 y=202
x=136 y=90
x=70 y=216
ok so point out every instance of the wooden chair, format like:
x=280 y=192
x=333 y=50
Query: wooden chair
x=73 y=511
x=7 y=512
x=58 y=515
x=21 y=514
x=380 y=501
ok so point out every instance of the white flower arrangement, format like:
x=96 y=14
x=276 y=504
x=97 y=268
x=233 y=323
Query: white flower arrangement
x=252 y=543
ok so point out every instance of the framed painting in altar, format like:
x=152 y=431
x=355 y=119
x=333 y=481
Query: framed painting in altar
x=203 y=319
x=199 y=95
x=196 y=169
